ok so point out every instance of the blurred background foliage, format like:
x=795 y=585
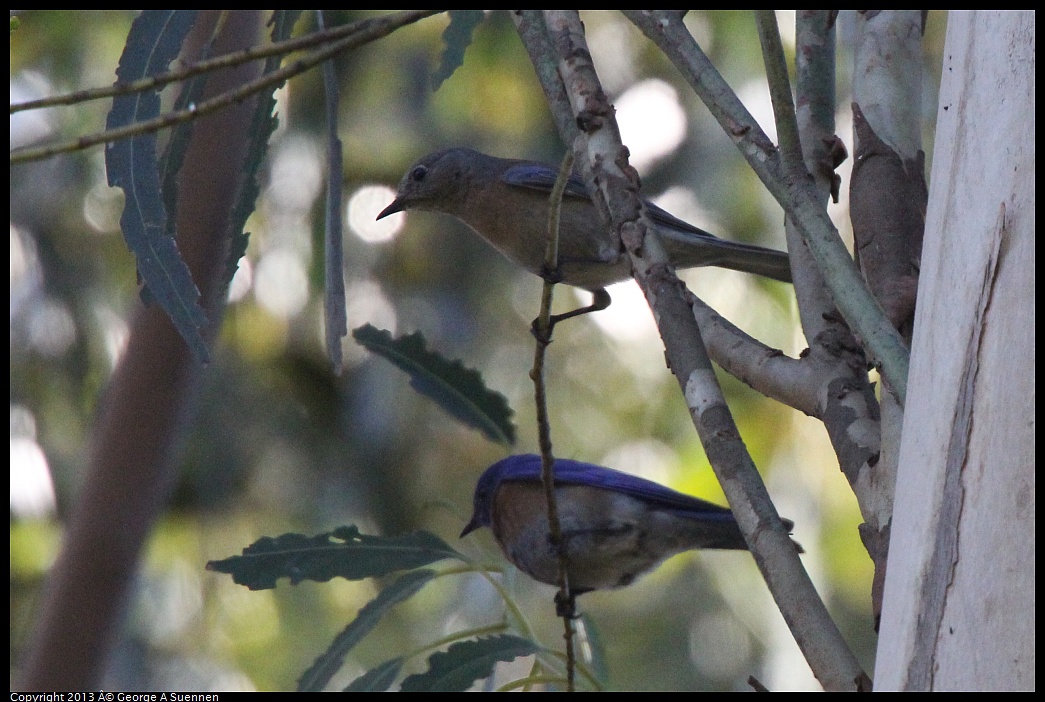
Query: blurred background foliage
x=280 y=444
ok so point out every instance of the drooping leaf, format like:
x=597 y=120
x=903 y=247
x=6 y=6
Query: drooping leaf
x=377 y=679
x=320 y=673
x=460 y=391
x=263 y=124
x=190 y=92
x=343 y=553
x=457 y=668
x=334 y=312
x=456 y=38
x=131 y=164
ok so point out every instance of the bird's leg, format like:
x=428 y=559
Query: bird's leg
x=600 y=300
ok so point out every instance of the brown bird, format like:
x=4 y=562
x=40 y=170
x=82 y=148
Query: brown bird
x=505 y=201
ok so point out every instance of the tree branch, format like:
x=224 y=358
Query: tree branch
x=816 y=633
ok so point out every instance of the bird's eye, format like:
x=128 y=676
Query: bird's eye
x=419 y=173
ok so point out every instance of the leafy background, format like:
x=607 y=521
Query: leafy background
x=280 y=444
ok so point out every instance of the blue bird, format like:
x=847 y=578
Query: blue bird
x=505 y=201
x=616 y=526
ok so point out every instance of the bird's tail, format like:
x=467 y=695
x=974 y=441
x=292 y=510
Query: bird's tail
x=723 y=532
x=748 y=258
x=688 y=250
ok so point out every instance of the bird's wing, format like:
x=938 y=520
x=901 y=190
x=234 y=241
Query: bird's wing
x=537 y=176
x=568 y=472
x=687 y=245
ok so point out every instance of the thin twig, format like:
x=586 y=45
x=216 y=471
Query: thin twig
x=542 y=332
x=373 y=29
x=780 y=91
x=227 y=61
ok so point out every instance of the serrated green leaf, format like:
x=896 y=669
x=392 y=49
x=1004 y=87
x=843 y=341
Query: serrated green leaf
x=460 y=391
x=457 y=668
x=456 y=38
x=263 y=124
x=377 y=679
x=342 y=553
x=155 y=39
x=191 y=92
x=319 y=674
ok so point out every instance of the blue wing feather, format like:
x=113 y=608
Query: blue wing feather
x=527 y=467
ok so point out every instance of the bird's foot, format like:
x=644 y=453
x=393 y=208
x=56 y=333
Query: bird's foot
x=600 y=301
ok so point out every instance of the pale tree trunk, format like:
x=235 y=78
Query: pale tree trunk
x=958 y=612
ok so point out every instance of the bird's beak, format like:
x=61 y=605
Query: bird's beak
x=471 y=526
x=396 y=206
